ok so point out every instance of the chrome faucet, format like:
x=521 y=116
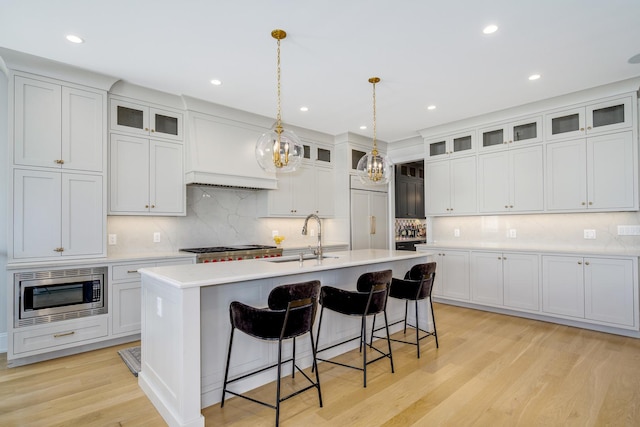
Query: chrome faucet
x=318 y=251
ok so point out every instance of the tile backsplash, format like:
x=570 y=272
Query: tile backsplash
x=215 y=216
x=545 y=232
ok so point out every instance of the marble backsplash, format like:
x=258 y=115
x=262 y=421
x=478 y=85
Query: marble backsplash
x=215 y=216
x=545 y=232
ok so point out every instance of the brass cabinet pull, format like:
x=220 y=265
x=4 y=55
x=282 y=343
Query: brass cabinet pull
x=132 y=271
x=65 y=334
x=58 y=250
x=59 y=162
x=372 y=224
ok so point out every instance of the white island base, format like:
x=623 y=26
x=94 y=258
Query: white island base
x=185 y=323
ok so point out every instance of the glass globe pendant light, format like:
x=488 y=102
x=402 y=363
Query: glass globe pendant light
x=279 y=150
x=374 y=168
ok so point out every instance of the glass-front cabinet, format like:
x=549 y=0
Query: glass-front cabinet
x=503 y=135
x=451 y=145
x=591 y=119
x=142 y=119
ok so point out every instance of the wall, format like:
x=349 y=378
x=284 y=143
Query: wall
x=215 y=216
x=543 y=232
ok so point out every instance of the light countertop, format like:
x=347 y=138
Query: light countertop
x=206 y=274
x=66 y=263
x=551 y=249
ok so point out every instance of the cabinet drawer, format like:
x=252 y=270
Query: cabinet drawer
x=60 y=335
x=130 y=271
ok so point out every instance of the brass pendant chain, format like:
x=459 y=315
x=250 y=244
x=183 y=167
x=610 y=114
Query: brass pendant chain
x=279 y=117
x=375 y=144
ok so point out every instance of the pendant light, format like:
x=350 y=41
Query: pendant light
x=374 y=168
x=279 y=150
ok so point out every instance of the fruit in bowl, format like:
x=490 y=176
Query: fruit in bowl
x=278 y=239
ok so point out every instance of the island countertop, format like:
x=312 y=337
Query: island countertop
x=207 y=274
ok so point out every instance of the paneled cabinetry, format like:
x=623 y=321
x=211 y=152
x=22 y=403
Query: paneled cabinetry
x=137 y=118
x=505 y=279
x=603 y=290
x=524 y=131
x=57 y=214
x=452 y=275
x=369 y=219
x=451 y=186
x=461 y=143
x=511 y=180
x=595 y=173
x=57 y=204
x=145 y=177
x=409 y=186
x=591 y=119
x=58 y=126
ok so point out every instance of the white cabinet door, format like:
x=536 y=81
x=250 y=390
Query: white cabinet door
x=609 y=291
x=378 y=209
x=487 y=278
x=454 y=266
x=463 y=186
x=36 y=214
x=166 y=182
x=128 y=174
x=83 y=215
x=566 y=175
x=38 y=123
x=304 y=191
x=83 y=130
x=325 y=191
x=526 y=179
x=493 y=182
x=611 y=181
x=521 y=281
x=126 y=307
x=437 y=188
x=563 y=285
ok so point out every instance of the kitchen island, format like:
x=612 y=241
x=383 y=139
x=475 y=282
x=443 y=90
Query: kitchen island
x=185 y=322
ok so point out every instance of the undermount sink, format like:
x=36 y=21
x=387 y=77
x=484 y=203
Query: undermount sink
x=292 y=258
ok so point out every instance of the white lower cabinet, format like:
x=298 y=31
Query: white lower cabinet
x=603 y=290
x=452 y=274
x=56 y=336
x=126 y=299
x=505 y=279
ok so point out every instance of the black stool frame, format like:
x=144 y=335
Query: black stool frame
x=297 y=312
x=379 y=290
x=423 y=288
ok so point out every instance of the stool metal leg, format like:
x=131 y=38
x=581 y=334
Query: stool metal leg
x=386 y=323
x=226 y=372
x=315 y=367
x=278 y=383
x=433 y=319
x=417 y=330
x=363 y=341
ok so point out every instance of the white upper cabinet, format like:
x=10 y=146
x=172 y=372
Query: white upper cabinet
x=596 y=173
x=140 y=119
x=511 y=181
x=506 y=135
x=145 y=177
x=450 y=187
x=58 y=126
x=462 y=143
x=591 y=119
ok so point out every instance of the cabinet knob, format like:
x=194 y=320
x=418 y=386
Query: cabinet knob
x=506 y=206
x=581 y=129
x=58 y=250
x=153 y=130
x=146 y=206
x=153 y=206
x=146 y=129
x=583 y=203
x=511 y=206
x=499 y=257
x=59 y=162
x=588 y=127
x=586 y=263
x=590 y=203
x=579 y=262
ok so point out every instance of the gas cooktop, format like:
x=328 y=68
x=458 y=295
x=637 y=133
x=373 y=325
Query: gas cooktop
x=233 y=253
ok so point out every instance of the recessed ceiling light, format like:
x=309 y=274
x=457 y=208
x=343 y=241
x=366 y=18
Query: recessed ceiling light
x=534 y=76
x=304 y=109
x=74 y=39
x=363 y=127
x=490 y=29
x=216 y=82
x=635 y=59
x=431 y=107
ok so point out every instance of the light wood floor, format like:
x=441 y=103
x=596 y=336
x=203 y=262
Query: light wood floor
x=490 y=370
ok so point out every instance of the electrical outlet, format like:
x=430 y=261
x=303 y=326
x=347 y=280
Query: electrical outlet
x=113 y=239
x=629 y=230
x=156 y=237
x=589 y=234
x=512 y=233
x=456 y=232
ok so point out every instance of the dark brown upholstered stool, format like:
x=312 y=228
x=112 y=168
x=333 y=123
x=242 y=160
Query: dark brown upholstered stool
x=416 y=286
x=370 y=298
x=291 y=312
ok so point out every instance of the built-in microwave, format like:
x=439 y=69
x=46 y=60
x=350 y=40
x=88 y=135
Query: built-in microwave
x=49 y=296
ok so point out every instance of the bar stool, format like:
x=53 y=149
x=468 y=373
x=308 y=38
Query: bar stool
x=370 y=298
x=416 y=285
x=290 y=313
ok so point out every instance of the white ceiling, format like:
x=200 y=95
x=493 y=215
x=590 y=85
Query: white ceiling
x=426 y=52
